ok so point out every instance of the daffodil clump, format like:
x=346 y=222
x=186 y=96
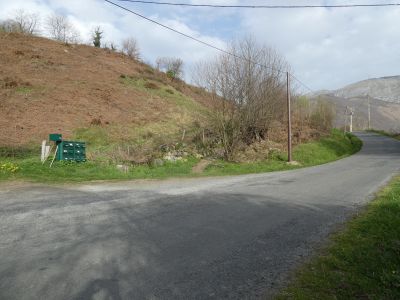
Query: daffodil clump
x=9 y=167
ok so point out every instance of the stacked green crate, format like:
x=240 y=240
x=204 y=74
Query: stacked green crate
x=71 y=151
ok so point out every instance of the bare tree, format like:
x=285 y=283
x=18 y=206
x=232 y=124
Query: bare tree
x=22 y=22
x=61 y=29
x=170 y=65
x=131 y=48
x=8 y=26
x=322 y=116
x=248 y=89
x=27 y=23
x=110 y=46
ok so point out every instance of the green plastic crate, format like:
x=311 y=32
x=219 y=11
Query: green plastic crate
x=71 y=151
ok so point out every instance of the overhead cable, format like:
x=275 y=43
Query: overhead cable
x=263 y=6
x=206 y=44
x=302 y=83
x=194 y=38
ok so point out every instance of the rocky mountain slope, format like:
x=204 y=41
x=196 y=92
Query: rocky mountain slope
x=383 y=94
x=385 y=89
x=384 y=115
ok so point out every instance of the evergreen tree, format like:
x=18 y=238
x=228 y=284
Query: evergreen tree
x=97 y=36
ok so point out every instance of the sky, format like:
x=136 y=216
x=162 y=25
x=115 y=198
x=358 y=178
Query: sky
x=326 y=48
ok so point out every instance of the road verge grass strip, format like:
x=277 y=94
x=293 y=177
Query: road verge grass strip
x=362 y=262
x=382 y=132
x=327 y=149
x=335 y=146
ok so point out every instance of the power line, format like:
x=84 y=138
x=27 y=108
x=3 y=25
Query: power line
x=263 y=6
x=194 y=39
x=208 y=44
x=302 y=83
x=234 y=55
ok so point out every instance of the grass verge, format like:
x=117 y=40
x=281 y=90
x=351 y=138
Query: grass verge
x=363 y=261
x=382 y=132
x=33 y=170
x=327 y=149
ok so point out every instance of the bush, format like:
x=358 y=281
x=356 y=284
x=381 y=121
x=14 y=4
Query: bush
x=151 y=85
x=131 y=48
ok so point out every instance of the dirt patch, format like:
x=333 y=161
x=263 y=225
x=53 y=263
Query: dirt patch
x=201 y=166
x=71 y=87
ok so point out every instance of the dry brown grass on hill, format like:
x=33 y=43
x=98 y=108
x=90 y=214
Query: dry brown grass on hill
x=46 y=86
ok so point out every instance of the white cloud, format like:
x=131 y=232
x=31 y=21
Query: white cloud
x=331 y=48
x=327 y=48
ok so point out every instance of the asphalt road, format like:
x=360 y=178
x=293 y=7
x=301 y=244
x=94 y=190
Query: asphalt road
x=234 y=237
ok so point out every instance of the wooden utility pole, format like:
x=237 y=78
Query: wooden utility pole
x=289 y=117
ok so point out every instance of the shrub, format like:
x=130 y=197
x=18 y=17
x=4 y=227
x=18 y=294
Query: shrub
x=96 y=122
x=131 y=48
x=151 y=85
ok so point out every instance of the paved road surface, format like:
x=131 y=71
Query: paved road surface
x=233 y=237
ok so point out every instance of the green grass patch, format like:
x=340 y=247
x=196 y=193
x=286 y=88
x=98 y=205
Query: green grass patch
x=9 y=152
x=164 y=91
x=107 y=137
x=333 y=147
x=327 y=149
x=93 y=135
x=230 y=168
x=362 y=262
x=24 y=90
x=33 y=170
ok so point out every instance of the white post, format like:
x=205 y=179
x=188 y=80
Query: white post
x=43 y=155
x=46 y=152
x=351 y=120
x=369 y=113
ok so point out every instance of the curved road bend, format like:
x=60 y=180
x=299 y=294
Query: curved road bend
x=210 y=238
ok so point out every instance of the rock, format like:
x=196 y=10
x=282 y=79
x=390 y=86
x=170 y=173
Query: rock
x=198 y=156
x=158 y=162
x=294 y=163
x=173 y=157
x=123 y=168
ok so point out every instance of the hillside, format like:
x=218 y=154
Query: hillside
x=384 y=88
x=383 y=95
x=46 y=86
x=384 y=115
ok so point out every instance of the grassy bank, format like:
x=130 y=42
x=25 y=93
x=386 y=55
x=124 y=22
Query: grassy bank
x=31 y=169
x=327 y=149
x=392 y=135
x=363 y=261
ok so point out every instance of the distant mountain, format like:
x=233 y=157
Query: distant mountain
x=384 y=115
x=385 y=89
x=384 y=99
